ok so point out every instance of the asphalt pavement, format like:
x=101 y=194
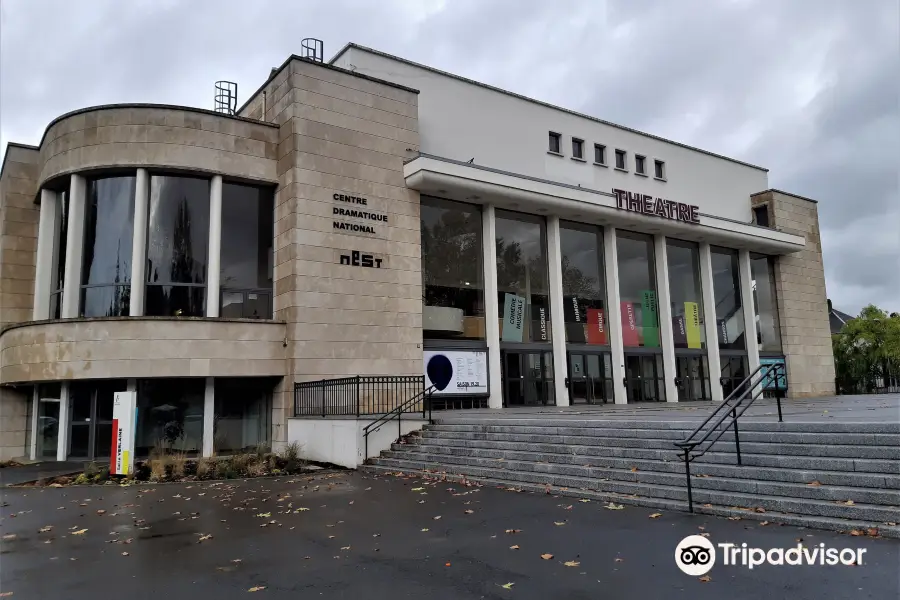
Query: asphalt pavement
x=350 y=535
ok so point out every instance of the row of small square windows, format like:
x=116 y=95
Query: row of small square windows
x=640 y=162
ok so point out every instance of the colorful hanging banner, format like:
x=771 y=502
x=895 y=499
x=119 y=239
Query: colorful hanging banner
x=679 y=335
x=649 y=319
x=630 y=335
x=573 y=313
x=513 y=318
x=539 y=324
x=596 y=327
x=692 y=324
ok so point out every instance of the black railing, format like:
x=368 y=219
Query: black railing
x=356 y=396
x=771 y=378
x=421 y=401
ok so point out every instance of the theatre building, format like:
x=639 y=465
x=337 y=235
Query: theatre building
x=373 y=216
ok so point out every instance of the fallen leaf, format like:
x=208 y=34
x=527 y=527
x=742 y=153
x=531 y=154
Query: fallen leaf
x=507 y=586
x=856 y=532
x=418 y=489
x=634 y=469
x=516 y=547
x=613 y=506
x=571 y=563
x=584 y=500
x=546 y=556
x=424 y=529
x=264 y=515
x=763 y=524
x=9 y=537
x=124 y=554
x=437 y=517
x=513 y=531
x=655 y=515
x=257 y=588
x=734 y=518
x=468 y=512
x=814 y=483
x=705 y=579
x=79 y=532
x=759 y=509
x=707 y=506
x=848 y=503
x=345 y=547
x=330 y=537
x=236 y=560
x=559 y=522
x=619 y=559
x=704 y=534
x=203 y=538
x=872 y=531
x=701 y=528
x=45 y=529
x=101 y=512
x=891 y=523
x=301 y=509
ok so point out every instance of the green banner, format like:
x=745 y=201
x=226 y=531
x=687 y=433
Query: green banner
x=692 y=324
x=649 y=319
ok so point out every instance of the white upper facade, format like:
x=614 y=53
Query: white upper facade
x=461 y=119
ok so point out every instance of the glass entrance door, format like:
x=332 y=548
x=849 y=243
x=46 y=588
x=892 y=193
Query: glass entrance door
x=692 y=378
x=589 y=379
x=47 y=428
x=527 y=378
x=90 y=434
x=734 y=371
x=644 y=378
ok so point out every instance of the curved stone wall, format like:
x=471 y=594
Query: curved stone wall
x=138 y=347
x=159 y=136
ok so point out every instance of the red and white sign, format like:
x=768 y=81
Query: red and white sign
x=630 y=336
x=596 y=333
x=124 y=425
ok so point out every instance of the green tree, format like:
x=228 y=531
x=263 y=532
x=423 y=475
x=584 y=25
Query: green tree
x=867 y=351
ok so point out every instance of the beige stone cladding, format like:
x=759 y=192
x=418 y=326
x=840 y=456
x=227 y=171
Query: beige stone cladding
x=139 y=347
x=159 y=136
x=19 y=217
x=347 y=263
x=14 y=422
x=802 y=301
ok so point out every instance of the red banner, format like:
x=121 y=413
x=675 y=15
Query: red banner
x=630 y=335
x=596 y=331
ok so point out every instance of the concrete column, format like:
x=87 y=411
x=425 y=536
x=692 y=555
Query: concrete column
x=557 y=320
x=748 y=309
x=35 y=408
x=62 y=449
x=43 y=274
x=209 y=413
x=71 y=296
x=664 y=301
x=613 y=314
x=215 y=244
x=139 y=243
x=709 y=323
x=491 y=303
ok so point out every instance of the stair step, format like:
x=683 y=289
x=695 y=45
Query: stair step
x=827 y=523
x=743 y=485
x=819 y=508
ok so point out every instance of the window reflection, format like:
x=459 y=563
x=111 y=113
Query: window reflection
x=584 y=292
x=169 y=415
x=246 y=254
x=637 y=290
x=768 y=334
x=522 y=279
x=727 y=292
x=452 y=275
x=177 y=245
x=683 y=259
x=106 y=262
x=242 y=415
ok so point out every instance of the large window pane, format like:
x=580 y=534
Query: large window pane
x=246 y=255
x=684 y=290
x=768 y=332
x=170 y=415
x=522 y=279
x=727 y=290
x=242 y=413
x=637 y=290
x=452 y=274
x=177 y=245
x=584 y=293
x=59 y=255
x=106 y=262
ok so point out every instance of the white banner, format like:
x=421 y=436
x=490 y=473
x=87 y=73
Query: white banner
x=456 y=372
x=124 y=426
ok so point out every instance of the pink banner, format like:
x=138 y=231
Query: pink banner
x=630 y=335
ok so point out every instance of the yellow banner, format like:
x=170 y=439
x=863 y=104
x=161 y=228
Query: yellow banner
x=692 y=324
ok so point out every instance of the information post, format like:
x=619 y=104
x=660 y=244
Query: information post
x=124 y=424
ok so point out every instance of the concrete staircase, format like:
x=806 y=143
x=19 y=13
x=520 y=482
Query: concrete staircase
x=794 y=473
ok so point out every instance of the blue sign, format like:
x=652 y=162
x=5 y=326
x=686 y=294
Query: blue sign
x=774 y=380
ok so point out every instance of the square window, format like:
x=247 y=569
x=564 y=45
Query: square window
x=660 y=169
x=639 y=162
x=554 y=142
x=577 y=148
x=761 y=215
x=600 y=154
x=621 y=158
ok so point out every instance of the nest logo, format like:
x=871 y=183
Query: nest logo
x=695 y=555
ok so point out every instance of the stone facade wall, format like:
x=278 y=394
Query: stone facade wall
x=14 y=424
x=157 y=136
x=19 y=216
x=141 y=347
x=802 y=300
x=342 y=134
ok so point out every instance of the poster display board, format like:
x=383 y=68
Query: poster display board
x=124 y=426
x=457 y=372
x=771 y=381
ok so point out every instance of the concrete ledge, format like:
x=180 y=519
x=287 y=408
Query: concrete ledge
x=341 y=441
x=138 y=347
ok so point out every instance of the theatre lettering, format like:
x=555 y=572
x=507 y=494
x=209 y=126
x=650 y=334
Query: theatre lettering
x=657 y=207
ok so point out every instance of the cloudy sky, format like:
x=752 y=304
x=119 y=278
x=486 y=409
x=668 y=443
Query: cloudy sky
x=807 y=88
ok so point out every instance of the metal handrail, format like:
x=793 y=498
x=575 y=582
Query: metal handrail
x=742 y=397
x=398 y=414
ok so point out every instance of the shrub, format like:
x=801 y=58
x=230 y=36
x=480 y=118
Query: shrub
x=291 y=452
x=177 y=462
x=240 y=462
x=257 y=468
x=206 y=467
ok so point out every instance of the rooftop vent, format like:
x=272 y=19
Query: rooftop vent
x=226 y=97
x=312 y=49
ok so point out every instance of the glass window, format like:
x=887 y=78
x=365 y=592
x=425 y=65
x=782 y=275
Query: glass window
x=584 y=292
x=452 y=275
x=761 y=215
x=106 y=261
x=554 y=142
x=659 y=169
x=248 y=233
x=242 y=415
x=177 y=245
x=600 y=154
x=620 y=159
x=685 y=293
x=637 y=290
x=639 y=164
x=170 y=415
x=577 y=148
x=522 y=279
x=768 y=331
x=727 y=291
x=59 y=255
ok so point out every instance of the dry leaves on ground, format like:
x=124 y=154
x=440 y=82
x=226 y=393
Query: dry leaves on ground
x=571 y=563
x=45 y=529
x=257 y=588
x=469 y=512
x=814 y=483
x=705 y=579
x=613 y=506
x=847 y=503
x=507 y=586
x=79 y=532
x=513 y=531
x=584 y=500
x=655 y=515
x=763 y=524
x=546 y=556
x=516 y=547
x=9 y=537
x=734 y=518
x=205 y=537
x=418 y=489
x=423 y=529
x=559 y=523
